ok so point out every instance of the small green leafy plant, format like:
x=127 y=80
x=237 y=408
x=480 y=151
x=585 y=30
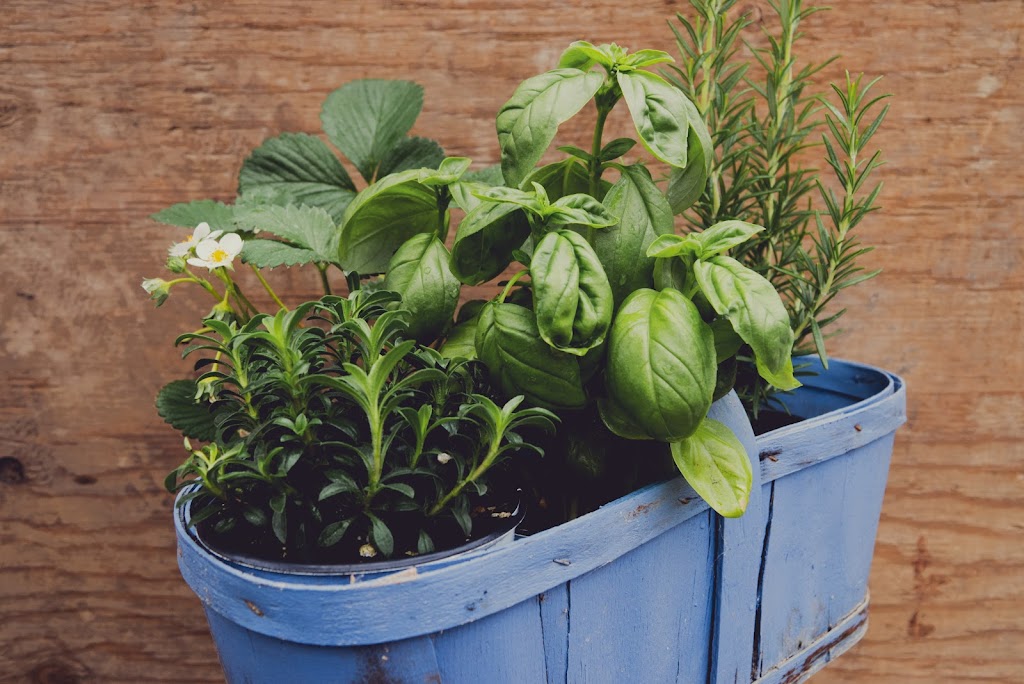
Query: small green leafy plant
x=323 y=423
x=351 y=417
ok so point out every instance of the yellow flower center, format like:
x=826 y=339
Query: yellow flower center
x=188 y=239
x=219 y=256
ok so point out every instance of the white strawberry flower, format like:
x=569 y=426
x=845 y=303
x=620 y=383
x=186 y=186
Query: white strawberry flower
x=213 y=254
x=201 y=232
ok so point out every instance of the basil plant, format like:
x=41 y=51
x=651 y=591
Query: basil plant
x=603 y=309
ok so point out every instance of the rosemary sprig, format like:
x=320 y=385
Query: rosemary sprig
x=763 y=121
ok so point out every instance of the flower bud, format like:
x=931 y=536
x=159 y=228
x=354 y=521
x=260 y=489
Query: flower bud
x=158 y=289
x=176 y=264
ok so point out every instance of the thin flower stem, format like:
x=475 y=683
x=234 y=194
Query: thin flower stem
x=205 y=284
x=266 y=286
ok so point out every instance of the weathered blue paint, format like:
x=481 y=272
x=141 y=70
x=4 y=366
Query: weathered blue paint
x=652 y=587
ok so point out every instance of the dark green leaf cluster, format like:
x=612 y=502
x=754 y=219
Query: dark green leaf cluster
x=763 y=129
x=325 y=425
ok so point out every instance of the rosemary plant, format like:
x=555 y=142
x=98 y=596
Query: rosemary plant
x=764 y=120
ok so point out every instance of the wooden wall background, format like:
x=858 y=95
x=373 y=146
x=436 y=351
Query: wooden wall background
x=112 y=110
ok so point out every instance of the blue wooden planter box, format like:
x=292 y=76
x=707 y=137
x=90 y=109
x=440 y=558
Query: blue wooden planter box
x=653 y=587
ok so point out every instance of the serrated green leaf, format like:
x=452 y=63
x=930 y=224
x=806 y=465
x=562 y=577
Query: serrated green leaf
x=310 y=228
x=176 y=404
x=296 y=168
x=412 y=153
x=527 y=123
x=271 y=254
x=220 y=216
x=366 y=119
x=716 y=465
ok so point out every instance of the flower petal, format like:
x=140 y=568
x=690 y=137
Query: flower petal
x=200 y=262
x=232 y=244
x=202 y=231
x=180 y=249
x=206 y=248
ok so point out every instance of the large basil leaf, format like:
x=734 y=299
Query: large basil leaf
x=756 y=312
x=659 y=113
x=305 y=227
x=716 y=465
x=419 y=272
x=486 y=239
x=643 y=215
x=660 y=372
x=571 y=295
x=365 y=119
x=382 y=217
x=296 y=168
x=527 y=123
x=509 y=344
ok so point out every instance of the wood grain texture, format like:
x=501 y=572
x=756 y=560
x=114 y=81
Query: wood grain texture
x=110 y=111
